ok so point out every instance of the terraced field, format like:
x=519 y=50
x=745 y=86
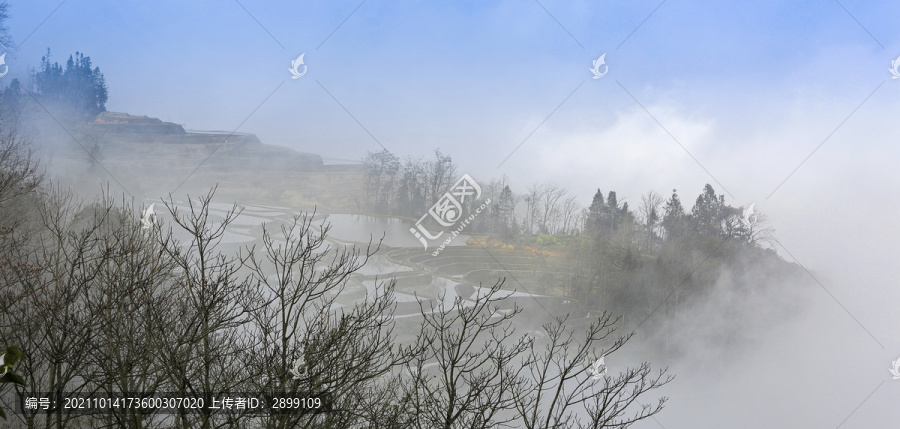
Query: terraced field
x=533 y=281
x=524 y=271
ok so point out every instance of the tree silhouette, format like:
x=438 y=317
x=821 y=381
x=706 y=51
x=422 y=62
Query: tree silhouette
x=79 y=88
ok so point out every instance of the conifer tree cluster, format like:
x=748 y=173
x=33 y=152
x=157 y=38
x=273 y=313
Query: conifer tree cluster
x=78 y=87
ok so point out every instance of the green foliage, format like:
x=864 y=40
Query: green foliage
x=618 y=262
x=605 y=218
x=613 y=271
x=674 y=220
x=10 y=358
x=708 y=212
x=558 y=242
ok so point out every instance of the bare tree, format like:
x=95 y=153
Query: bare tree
x=103 y=305
x=477 y=373
x=206 y=344
x=6 y=42
x=467 y=375
x=411 y=197
x=759 y=232
x=382 y=168
x=748 y=225
x=550 y=194
x=20 y=181
x=532 y=200
x=563 y=391
x=297 y=325
x=439 y=176
x=18 y=170
x=132 y=289
x=571 y=216
x=50 y=279
x=649 y=216
x=93 y=139
x=19 y=176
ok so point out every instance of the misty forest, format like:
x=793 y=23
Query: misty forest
x=140 y=258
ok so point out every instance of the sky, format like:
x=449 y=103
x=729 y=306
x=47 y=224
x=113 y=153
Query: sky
x=787 y=104
x=695 y=92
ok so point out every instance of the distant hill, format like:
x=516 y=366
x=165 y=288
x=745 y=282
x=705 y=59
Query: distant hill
x=123 y=123
x=151 y=158
x=125 y=134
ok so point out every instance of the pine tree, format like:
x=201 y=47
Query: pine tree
x=674 y=217
x=613 y=214
x=78 y=88
x=505 y=214
x=708 y=212
x=595 y=214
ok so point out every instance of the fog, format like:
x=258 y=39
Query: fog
x=788 y=106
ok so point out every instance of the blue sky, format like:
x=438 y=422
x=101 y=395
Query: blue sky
x=477 y=78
